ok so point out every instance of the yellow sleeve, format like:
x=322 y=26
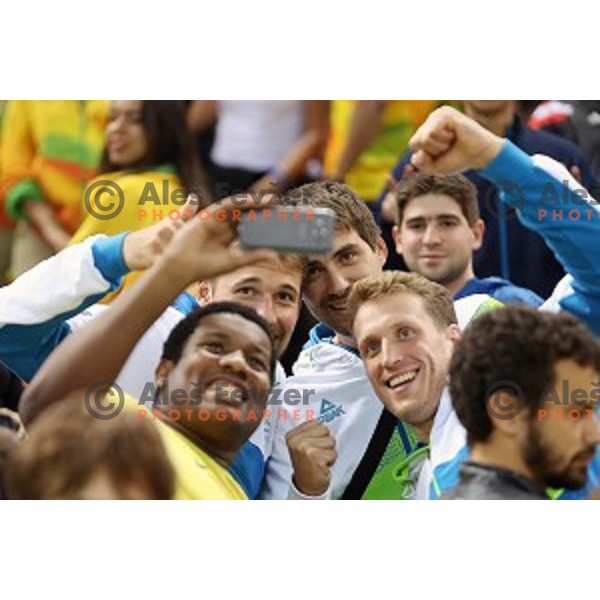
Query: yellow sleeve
x=123 y=210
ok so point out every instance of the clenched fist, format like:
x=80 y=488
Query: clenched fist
x=449 y=142
x=312 y=450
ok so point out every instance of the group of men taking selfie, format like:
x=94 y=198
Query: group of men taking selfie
x=426 y=384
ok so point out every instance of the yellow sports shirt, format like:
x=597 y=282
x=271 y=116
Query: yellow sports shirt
x=197 y=475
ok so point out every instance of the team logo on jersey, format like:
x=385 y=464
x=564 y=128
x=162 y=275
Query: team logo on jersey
x=330 y=411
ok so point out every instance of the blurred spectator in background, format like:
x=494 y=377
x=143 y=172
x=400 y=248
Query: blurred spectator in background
x=71 y=455
x=366 y=138
x=506 y=240
x=50 y=149
x=261 y=144
x=575 y=120
x=151 y=157
x=438 y=228
x=6 y=225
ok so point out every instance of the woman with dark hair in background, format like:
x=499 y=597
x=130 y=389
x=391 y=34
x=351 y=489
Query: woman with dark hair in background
x=148 y=167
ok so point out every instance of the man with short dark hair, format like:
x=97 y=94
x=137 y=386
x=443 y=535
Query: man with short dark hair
x=438 y=228
x=347 y=435
x=507 y=241
x=525 y=432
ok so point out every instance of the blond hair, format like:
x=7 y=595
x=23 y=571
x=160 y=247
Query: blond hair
x=436 y=299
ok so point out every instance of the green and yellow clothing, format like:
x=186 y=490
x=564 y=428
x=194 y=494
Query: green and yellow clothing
x=50 y=150
x=400 y=120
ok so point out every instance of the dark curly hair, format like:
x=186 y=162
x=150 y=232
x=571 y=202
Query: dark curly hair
x=351 y=213
x=515 y=344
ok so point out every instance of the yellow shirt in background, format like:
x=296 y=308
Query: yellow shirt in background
x=400 y=120
x=128 y=202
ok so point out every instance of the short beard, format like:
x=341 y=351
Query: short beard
x=539 y=457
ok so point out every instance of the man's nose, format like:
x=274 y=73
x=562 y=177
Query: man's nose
x=390 y=353
x=235 y=361
x=265 y=308
x=592 y=427
x=337 y=282
x=431 y=236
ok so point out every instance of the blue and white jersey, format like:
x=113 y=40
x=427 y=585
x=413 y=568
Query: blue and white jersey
x=447 y=445
x=337 y=391
x=549 y=201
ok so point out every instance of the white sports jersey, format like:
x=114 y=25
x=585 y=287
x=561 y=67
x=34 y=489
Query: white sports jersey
x=338 y=392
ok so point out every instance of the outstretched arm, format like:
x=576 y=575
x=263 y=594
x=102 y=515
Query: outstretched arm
x=199 y=251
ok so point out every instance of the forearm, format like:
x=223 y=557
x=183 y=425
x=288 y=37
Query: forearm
x=570 y=227
x=364 y=125
x=310 y=144
x=41 y=217
x=99 y=351
x=293 y=164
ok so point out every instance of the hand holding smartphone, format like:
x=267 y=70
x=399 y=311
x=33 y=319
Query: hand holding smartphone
x=301 y=229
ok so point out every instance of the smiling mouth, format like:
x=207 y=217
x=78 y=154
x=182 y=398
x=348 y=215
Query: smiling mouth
x=338 y=305
x=229 y=391
x=116 y=145
x=399 y=381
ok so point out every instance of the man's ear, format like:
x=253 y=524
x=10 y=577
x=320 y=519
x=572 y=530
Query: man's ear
x=397 y=237
x=381 y=250
x=204 y=293
x=478 y=230
x=506 y=412
x=453 y=333
x=162 y=372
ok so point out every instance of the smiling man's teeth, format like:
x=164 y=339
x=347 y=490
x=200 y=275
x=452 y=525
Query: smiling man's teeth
x=229 y=391
x=404 y=378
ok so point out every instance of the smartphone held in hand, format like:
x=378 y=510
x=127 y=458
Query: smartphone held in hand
x=301 y=229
